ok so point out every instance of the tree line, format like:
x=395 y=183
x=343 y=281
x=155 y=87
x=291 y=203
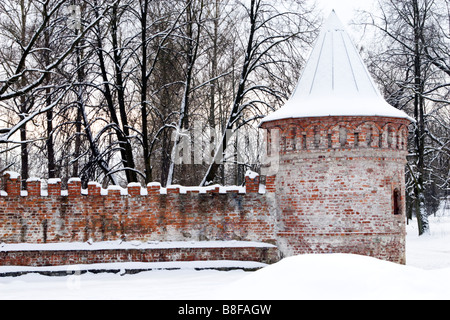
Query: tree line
x=411 y=62
x=104 y=90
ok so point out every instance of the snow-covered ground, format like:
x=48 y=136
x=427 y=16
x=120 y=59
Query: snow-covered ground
x=430 y=251
x=426 y=276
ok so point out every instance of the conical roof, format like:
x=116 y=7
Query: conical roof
x=335 y=82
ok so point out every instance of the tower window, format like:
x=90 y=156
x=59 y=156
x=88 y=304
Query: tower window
x=369 y=138
x=343 y=136
x=356 y=139
x=397 y=202
x=316 y=137
x=293 y=139
x=390 y=138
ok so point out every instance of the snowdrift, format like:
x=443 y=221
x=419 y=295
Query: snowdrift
x=340 y=276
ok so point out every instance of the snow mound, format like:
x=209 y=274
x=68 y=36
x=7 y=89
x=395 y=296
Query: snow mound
x=340 y=276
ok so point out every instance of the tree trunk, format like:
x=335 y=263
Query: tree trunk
x=420 y=133
x=144 y=88
x=122 y=137
x=24 y=145
x=128 y=160
x=191 y=57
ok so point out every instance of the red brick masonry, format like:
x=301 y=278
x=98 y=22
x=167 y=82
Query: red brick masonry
x=159 y=214
x=337 y=186
x=43 y=258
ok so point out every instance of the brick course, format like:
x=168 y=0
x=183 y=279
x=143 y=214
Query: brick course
x=72 y=257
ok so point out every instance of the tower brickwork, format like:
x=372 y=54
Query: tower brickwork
x=340 y=186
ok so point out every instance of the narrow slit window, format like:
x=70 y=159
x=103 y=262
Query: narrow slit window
x=397 y=202
x=343 y=136
x=369 y=139
x=390 y=138
x=316 y=137
x=294 y=139
x=356 y=139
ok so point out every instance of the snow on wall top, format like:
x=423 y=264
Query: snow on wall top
x=335 y=82
x=251 y=182
x=121 y=245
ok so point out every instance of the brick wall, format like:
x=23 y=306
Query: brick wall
x=153 y=213
x=45 y=258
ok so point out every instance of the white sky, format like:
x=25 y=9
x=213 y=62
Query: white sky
x=345 y=9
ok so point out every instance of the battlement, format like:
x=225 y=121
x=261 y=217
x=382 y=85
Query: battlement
x=153 y=213
x=339 y=133
x=12 y=188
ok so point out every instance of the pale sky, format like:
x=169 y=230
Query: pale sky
x=345 y=9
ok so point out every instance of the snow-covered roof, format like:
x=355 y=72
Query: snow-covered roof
x=335 y=81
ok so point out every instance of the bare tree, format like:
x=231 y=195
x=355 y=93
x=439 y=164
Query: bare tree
x=193 y=25
x=254 y=96
x=413 y=70
x=104 y=95
x=26 y=27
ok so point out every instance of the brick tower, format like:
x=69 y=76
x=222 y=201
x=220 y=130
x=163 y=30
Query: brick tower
x=340 y=153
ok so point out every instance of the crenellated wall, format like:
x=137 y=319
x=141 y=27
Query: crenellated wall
x=143 y=214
